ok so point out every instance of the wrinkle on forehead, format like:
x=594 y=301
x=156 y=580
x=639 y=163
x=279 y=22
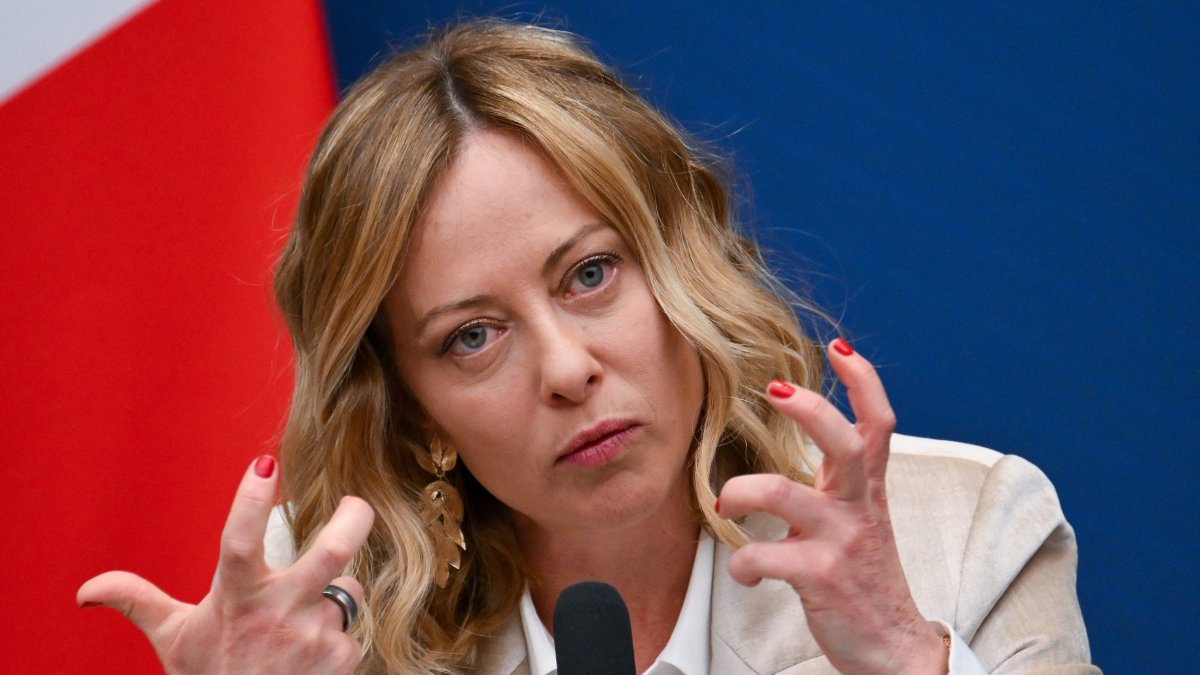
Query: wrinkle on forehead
x=477 y=187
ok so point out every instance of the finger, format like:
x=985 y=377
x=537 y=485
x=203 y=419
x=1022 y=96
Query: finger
x=241 y=564
x=793 y=562
x=842 y=469
x=140 y=601
x=798 y=505
x=872 y=411
x=332 y=611
x=335 y=545
x=344 y=656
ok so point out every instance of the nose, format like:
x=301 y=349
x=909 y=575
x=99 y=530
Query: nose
x=568 y=369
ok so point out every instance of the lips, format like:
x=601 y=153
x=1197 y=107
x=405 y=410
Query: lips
x=597 y=445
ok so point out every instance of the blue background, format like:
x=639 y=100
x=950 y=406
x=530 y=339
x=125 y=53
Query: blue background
x=999 y=202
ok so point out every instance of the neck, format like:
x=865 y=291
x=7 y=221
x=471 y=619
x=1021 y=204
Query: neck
x=648 y=562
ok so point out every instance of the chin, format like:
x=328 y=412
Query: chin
x=643 y=501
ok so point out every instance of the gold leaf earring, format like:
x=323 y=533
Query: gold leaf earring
x=442 y=510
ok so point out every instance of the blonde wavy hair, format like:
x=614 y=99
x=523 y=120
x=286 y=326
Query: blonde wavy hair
x=354 y=428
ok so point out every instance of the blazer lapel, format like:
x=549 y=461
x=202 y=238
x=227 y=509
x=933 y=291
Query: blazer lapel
x=763 y=629
x=754 y=631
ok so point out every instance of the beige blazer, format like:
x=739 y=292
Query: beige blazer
x=985 y=548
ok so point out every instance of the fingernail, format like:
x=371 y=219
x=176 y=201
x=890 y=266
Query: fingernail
x=780 y=389
x=265 y=466
x=88 y=605
x=717 y=506
x=842 y=347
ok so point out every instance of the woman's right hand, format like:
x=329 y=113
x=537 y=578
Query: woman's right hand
x=255 y=618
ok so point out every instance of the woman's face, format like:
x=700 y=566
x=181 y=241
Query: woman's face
x=527 y=331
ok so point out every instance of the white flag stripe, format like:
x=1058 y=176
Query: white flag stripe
x=37 y=35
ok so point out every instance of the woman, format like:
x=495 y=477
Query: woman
x=529 y=337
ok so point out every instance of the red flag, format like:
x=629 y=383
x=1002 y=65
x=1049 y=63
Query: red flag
x=147 y=183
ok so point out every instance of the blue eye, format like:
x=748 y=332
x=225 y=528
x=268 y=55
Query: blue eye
x=473 y=338
x=592 y=273
x=469 y=339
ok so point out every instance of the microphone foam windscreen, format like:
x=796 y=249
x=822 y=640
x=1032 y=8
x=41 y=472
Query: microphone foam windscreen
x=591 y=631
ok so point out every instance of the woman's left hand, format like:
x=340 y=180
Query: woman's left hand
x=840 y=552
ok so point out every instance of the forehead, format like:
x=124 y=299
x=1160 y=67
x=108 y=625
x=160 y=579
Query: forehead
x=499 y=208
x=497 y=185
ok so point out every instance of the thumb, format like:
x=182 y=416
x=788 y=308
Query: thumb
x=140 y=601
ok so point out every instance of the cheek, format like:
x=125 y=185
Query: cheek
x=487 y=424
x=663 y=347
x=688 y=382
x=480 y=420
x=668 y=366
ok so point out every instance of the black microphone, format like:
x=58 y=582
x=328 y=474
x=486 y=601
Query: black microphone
x=591 y=631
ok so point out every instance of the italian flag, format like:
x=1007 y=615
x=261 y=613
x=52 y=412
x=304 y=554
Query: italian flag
x=150 y=159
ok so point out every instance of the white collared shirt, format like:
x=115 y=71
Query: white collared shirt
x=687 y=651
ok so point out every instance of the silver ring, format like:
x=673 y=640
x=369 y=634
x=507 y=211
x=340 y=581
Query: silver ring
x=344 y=600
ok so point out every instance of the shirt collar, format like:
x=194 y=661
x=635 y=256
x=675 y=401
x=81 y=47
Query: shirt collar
x=687 y=650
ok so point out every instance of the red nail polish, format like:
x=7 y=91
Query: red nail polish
x=717 y=506
x=88 y=605
x=265 y=466
x=780 y=389
x=842 y=347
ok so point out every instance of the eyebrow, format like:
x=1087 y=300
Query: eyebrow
x=561 y=250
x=552 y=261
x=467 y=303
